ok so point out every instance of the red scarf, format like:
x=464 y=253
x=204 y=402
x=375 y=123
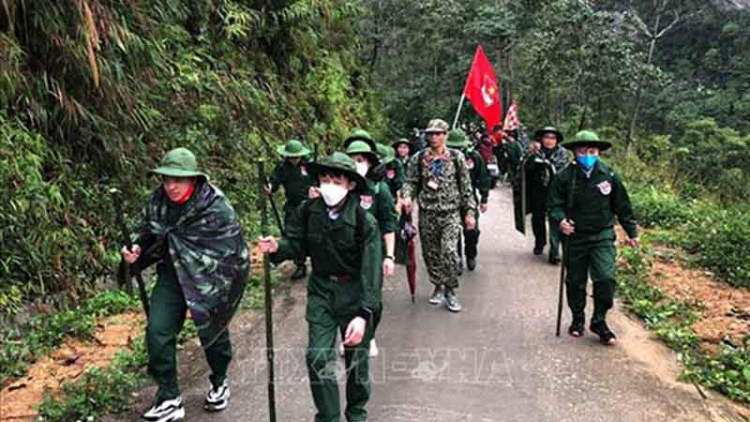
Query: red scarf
x=188 y=193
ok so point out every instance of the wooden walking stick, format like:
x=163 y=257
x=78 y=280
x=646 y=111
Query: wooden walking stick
x=566 y=259
x=117 y=200
x=268 y=296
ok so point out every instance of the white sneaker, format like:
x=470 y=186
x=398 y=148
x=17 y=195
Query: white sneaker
x=373 y=352
x=217 y=398
x=166 y=411
x=438 y=296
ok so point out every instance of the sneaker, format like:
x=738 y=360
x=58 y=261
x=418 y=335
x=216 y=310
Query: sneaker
x=217 y=398
x=166 y=411
x=606 y=336
x=373 y=352
x=453 y=304
x=437 y=296
x=554 y=260
x=300 y=273
x=471 y=263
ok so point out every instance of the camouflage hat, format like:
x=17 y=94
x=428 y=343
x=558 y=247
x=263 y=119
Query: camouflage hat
x=385 y=153
x=338 y=162
x=293 y=148
x=360 y=135
x=458 y=139
x=179 y=162
x=437 y=125
x=587 y=138
x=359 y=147
x=549 y=129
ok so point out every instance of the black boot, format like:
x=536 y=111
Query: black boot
x=471 y=263
x=606 y=336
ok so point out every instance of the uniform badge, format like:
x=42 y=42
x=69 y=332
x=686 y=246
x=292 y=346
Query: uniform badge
x=365 y=202
x=605 y=187
x=469 y=163
x=390 y=173
x=433 y=184
x=303 y=170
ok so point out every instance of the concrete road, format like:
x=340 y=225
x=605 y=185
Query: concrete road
x=498 y=360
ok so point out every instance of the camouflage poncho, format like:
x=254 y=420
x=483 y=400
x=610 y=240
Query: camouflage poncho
x=206 y=245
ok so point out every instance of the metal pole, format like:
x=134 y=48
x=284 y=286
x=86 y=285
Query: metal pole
x=458 y=112
x=268 y=296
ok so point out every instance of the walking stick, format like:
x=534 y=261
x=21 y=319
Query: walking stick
x=129 y=245
x=268 y=296
x=566 y=259
x=562 y=284
x=277 y=216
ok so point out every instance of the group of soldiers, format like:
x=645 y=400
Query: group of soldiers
x=342 y=212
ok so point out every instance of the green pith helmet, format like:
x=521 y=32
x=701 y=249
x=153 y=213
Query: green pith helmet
x=359 y=147
x=338 y=162
x=587 y=138
x=385 y=153
x=179 y=162
x=549 y=129
x=361 y=135
x=437 y=125
x=292 y=149
x=457 y=139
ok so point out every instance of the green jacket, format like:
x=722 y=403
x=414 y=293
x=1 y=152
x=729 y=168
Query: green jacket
x=396 y=168
x=295 y=180
x=378 y=202
x=514 y=152
x=334 y=248
x=480 y=177
x=596 y=201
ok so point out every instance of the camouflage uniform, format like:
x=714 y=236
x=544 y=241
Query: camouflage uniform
x=440 y=209
x=203 y=264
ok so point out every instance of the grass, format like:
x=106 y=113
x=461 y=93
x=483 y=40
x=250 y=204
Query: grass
x=671 y=320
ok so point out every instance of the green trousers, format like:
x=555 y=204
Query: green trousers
x=168 y=310
x=594 y=257
x=330 y=308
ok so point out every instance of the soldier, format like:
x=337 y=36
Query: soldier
x=480 y=181
x=394 y=174
x=584 y=200
x=439 y=180
x=545 y=158
x=191 y=231
x=376 y=199
x=343 y=242
x=292 y=173
x=403 y=150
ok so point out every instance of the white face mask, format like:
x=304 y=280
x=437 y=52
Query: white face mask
x=332 y=193
x=362 y=169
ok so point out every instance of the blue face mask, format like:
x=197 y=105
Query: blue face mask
x=587 y=161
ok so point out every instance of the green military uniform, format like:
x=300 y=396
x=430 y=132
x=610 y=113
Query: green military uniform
x=376 y=199
x=540 y=168
x=404 y=161
x=203 y=264
x=440 y=182
x=346 y=253
x=480 y=182
x=592 y=200
x=296 y=181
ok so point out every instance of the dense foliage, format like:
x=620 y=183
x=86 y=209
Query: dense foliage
x=93 y=92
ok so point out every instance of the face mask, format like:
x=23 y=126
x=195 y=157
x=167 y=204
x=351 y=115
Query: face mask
x=362 y=169
x=332 y=193
x=587 y=161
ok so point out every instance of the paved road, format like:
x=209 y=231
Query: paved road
x=496 y=361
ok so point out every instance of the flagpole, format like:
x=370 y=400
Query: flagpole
x=458 y=112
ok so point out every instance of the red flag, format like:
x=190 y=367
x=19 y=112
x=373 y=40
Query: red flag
x=482 y=90
x=511 y=119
